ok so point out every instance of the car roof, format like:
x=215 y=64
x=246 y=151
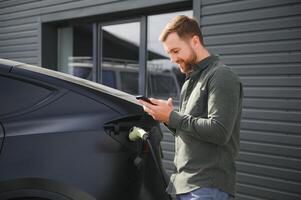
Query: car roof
x=70 y=78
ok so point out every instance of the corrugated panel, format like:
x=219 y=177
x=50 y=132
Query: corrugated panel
x=261 y=41
x=20 y=20
x=19 y=24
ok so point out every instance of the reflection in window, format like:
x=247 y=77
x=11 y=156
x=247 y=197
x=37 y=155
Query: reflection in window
x=109 y=78
x=75 y=46
x=169 y=82
x=121 y=55
x=129 y=82
x=162 y=85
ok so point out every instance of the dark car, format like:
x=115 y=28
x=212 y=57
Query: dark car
x=66 y=138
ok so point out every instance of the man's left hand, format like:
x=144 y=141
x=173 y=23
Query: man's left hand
x=160 y=111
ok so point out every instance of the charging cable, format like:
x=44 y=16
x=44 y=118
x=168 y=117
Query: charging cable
x=137 y=133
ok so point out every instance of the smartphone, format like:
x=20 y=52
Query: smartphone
x=144 y=98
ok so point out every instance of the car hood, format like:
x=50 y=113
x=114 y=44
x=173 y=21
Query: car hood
x=70 y=78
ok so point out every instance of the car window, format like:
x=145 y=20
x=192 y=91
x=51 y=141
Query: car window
x=17 y=95
x=129 y=82
x=109 y=78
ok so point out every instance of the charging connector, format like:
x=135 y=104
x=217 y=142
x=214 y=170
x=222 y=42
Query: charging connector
x=137 y=133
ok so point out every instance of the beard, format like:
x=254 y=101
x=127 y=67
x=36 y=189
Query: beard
x=186 y=65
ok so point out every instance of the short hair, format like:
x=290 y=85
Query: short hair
x=184 y=26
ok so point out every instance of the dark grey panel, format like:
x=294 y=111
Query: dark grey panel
x=276 y=138
x=168 y=146
x=232 y=6
x=263 y=58
x=262 y=170
x=277 y=115
x=258 y=14
x=251 y=192
x=267 y=69
x=260 y=40
x=251 y=37
x=280 y=81
x=29 y=40
x=271 y=149
x=271 y=92
x=22 y=27
x=19 y=34
x=14 y=22
x=168 y=137
x=26 y=54
x=264 y=125
x=270 y=160
x=35 y=9
x=109 y=8
x=168 y=155
x=268 y=103
x=12 y=3
x=262 y=47
x=16 y=48
x=210 y=2
x=269 y=183
x=253 y=25
x=32 y=6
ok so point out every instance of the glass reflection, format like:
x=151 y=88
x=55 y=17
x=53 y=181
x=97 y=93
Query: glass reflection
x=75 y=50
x=120 y=67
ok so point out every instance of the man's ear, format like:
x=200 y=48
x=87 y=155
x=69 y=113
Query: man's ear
x=195 y=41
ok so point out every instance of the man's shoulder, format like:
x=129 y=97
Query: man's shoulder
x=222 y=73
x=222 y=69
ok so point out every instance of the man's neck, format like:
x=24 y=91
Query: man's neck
x=202 y=54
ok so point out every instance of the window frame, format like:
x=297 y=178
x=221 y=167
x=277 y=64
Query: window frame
x=49 y=23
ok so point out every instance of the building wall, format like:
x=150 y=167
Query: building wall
x=260 y=40
x=20 y=20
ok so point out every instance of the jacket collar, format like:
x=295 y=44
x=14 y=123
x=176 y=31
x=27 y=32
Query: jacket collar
x=201 y=66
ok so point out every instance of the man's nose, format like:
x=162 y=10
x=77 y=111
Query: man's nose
x=173 y=59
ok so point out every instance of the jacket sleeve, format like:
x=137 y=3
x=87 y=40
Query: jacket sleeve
x=224 y=100
x=172 y=130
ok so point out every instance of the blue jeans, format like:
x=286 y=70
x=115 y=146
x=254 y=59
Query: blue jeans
x=204 y=194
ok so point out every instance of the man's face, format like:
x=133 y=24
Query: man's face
x=180 y=51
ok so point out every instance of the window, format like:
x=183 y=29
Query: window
x=129 y=82
x=17 y=95
x=110 y=53
x=120 y=54
x=163 y=85
x=109 y=78
x=75 y=50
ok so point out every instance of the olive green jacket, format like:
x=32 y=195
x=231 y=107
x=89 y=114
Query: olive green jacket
x=206 y=129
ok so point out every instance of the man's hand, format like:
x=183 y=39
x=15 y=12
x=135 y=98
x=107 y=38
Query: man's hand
x=161 y=111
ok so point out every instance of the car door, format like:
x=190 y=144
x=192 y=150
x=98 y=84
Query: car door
x=1 y=136
x=55 y=136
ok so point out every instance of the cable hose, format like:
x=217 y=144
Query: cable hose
x=157 y=166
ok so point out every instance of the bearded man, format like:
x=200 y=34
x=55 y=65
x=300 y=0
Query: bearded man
x=207 y=125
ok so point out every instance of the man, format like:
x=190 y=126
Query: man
x=206 y=128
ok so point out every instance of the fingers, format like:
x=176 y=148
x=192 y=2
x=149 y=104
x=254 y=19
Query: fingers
x=155 y=101
x=160 y=101
x=148 y=110
x=169 y=101
x=145 y=104
x=147 y=107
